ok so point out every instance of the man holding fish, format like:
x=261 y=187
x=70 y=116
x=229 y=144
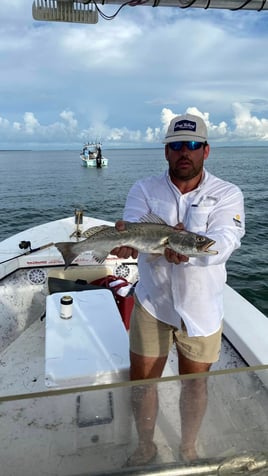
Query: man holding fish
x=179 y=297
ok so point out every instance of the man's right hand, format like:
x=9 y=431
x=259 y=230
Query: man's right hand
x=123 y=252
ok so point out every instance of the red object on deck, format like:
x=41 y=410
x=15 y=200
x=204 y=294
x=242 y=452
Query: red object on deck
x=124 y=303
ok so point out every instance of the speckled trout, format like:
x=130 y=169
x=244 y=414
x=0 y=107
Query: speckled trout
x=151 y=236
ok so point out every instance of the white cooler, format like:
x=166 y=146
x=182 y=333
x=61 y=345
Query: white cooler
x=90 y=348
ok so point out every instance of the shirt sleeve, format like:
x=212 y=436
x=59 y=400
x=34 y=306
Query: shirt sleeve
x=136 y=204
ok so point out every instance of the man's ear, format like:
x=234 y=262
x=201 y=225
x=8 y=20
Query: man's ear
x=166 y=151
x=206 y=151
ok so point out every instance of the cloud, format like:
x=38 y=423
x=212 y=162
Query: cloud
x=248 y=126
x=31 y=124
x=68 y=117
x=89 y=50
x=66 y=130
x=123 y=80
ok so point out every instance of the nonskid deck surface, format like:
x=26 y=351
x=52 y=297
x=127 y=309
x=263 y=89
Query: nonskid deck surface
x=23 y=362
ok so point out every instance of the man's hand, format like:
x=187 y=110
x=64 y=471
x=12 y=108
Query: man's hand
x=123 y=252
x=173 y=257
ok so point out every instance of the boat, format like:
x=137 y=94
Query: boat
x=65 y=393
x=91 y=156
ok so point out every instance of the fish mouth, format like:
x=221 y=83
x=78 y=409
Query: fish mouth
x=205 y=248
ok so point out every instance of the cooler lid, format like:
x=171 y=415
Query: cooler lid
x=92 y=347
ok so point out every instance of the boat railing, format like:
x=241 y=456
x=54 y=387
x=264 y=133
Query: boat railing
x=91 y=430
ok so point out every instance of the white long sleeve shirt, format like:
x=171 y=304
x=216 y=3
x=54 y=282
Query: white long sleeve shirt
x=191 y=291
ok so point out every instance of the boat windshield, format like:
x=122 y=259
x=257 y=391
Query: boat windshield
x=91 y=431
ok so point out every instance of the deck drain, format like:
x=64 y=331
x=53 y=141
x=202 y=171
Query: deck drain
x=122 y=271
x=37 y=276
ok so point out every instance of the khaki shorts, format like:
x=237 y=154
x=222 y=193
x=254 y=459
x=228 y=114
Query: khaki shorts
x=153 y=338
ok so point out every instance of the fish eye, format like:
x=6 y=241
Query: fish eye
x=200 y=238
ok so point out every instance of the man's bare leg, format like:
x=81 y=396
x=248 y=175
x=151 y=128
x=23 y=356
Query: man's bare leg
x=193 y=404
x=145 y=405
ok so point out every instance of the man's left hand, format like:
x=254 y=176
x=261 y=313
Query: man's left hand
x=172 y=256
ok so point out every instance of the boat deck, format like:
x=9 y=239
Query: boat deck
x=91 y=430
x=23 y=362
x=60 y=432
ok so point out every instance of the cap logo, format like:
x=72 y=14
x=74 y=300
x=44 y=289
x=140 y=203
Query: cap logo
x=185 y=125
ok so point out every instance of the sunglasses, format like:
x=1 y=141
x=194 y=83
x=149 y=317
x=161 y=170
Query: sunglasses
x=190 y=144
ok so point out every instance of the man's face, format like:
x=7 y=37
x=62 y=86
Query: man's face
x=185 y=164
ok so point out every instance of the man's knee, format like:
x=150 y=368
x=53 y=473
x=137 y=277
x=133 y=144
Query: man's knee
x=188 y=366
x=143 y=367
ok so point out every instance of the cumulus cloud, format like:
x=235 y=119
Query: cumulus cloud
x=66 y=131
x=68 y=116
x=31 y=124
x=124 y=80
x=247 y=125
x=152 y=135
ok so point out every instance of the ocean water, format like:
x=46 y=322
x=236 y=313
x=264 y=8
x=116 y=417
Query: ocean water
x=41 y=186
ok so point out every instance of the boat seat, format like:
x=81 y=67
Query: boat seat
x=59 y=285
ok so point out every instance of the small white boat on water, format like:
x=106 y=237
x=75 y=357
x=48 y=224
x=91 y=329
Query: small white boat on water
x=91 y=156
x=65 y=394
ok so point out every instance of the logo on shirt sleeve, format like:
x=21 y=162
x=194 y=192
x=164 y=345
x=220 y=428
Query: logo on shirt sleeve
x=237 y=221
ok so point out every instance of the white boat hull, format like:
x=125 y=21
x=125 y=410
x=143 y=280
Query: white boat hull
x=91 y=156
x=93 y=162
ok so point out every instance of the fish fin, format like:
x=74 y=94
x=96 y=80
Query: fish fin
x=94 y=229
x=100 y=256
x=66 y=249
x=152 y=218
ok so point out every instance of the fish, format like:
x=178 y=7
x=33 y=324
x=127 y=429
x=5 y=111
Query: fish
x=150 y=235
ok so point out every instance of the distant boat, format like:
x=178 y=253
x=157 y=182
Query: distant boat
x=91 y=156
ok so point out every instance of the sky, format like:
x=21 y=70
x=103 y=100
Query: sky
x=122 y=81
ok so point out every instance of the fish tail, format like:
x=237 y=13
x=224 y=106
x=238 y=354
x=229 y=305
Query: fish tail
x=67 y=251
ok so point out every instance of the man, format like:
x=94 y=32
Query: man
x=180 y=299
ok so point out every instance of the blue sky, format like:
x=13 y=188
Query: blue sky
x=123 y=80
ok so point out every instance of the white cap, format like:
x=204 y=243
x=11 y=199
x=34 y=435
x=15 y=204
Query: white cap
x=186 y=127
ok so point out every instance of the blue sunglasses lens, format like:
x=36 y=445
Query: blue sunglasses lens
x=191 y=145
